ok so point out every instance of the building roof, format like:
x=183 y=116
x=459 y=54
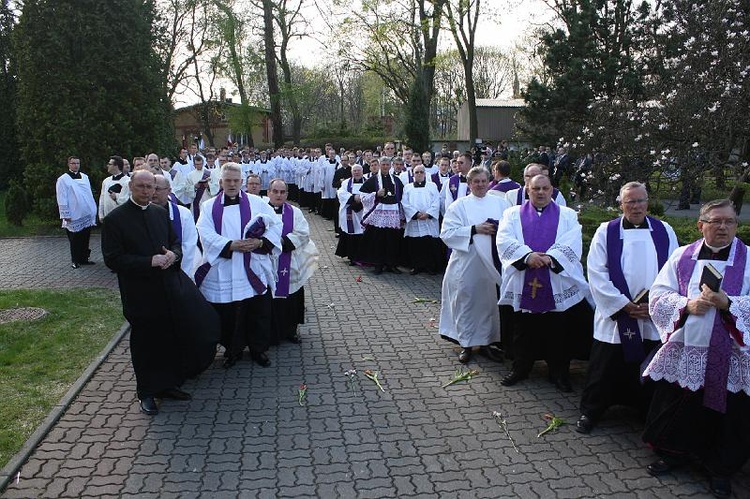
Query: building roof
x=501 y=103
x=219 y=103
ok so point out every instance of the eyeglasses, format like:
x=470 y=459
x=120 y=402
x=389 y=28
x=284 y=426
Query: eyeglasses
x=634 y=202
x=162 y=188
x=729 y=222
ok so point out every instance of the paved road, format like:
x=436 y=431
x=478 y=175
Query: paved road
x=245 y=435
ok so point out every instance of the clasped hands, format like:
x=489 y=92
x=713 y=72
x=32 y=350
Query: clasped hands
x=245 y=245
x=163 y=260
x=537 y=260
x=487 y=228
x=706 y=300
x=637 y=310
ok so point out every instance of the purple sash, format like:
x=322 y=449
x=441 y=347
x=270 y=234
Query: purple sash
x=630 y=333
x=720 y=345
x=285 y=260
x=349 y=210
x=506 y=186
x=453 y=183
x=539 y=233
x=176 y=220
x=199 y=195
x=245 y=214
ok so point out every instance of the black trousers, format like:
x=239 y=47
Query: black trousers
x=245 y=323
x=678 y=424
x=79 y=245
x=611 y=380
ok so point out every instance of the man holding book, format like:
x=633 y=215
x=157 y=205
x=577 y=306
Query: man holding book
x=701 y=407
x=624 y=258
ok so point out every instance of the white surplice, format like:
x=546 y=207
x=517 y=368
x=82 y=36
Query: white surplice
x=468 y=307
x=424 y=199
x=344 y=196
x=76 y=202
x=682 y=359
x=569 y=286
x=191 y=255
x=305 y=255
x=639 y=267
x=227 y=280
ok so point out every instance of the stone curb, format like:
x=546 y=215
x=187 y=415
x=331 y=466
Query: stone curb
x=9 y=471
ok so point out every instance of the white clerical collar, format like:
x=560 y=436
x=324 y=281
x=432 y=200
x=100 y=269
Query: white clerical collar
x=716 y=249
x=138 y=205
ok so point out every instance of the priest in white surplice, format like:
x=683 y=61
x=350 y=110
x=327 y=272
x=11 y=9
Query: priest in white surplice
x=468 y=312
x=421 y=202
x=240 y=234
x=77 y=208
x=540 y=246
x=701 y=405
x=114 y=188
x=624 y=258
x=350 y=214
x=295 y=265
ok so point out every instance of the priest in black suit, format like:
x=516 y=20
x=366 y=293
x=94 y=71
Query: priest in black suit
x=140 y=245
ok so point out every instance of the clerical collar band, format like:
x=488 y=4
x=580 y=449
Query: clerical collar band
x=626 y=224
x=230 y=202
x=138 y=205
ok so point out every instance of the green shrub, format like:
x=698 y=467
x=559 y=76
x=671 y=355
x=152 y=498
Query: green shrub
x=16 y=204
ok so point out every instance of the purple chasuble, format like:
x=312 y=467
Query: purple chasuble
x=630 y=333
x=539 y=233
x=285 y=260
x=176 y=220
x=720 y=345
x=255 y=232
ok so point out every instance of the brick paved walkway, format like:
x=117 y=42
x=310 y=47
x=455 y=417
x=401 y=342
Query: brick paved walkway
x=245 y=435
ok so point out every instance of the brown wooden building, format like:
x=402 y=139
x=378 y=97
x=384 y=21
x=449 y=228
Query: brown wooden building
x=189 y=127
x=496 y=119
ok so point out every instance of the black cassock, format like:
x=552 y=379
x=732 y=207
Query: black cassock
x=174 y=330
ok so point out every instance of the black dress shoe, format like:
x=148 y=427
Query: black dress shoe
x=563 y=384
x=513 y=378
x=720 y=486
x=295 y=339
x=174 y=394
x=395 y=270
x=665 y=464
x=149 y=407
x=75 y=266
x=584 y=424
x=378 y=270
x=464 y=356
x=414 y=272
x=88 y=262
x=260 y=358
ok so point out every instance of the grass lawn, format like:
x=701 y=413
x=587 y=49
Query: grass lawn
x=40 y=360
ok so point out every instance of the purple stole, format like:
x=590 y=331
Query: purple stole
x=411 y=177
x=521 y=196
x=173 y=173
x=507 y=186
x=245 y=214
x=436 y=180
x=285 y=260
x=720 y=345
x=173 y=198
x=199 y=195
x=630 y=333
x=176 y=220
x=349 y=210
x=539 y=233
x=453 y=184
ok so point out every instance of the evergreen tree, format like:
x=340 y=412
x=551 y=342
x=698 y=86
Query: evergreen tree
x=91 y=85
x=591 y=57
x=10 y=168
x=417 y=127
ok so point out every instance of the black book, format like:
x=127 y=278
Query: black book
x=116 y=188
x=710 y=277
x=641 y=297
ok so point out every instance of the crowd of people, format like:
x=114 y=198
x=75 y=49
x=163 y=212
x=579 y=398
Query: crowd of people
x=658 y=336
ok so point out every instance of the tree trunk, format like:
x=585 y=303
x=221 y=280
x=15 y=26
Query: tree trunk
x=271 y=74
x=471 y=100
x=736 y=196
